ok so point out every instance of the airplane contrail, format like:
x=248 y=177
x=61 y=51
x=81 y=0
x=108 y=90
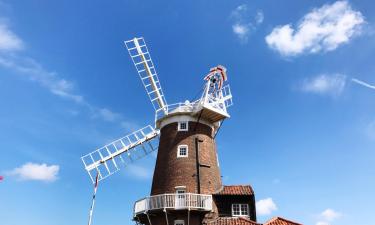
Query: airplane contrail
x=363 y=83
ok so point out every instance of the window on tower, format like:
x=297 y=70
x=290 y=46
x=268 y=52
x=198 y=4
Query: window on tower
x=182 y=151
x=240 y=210
x=183 y=126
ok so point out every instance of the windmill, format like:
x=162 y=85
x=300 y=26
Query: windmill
x=187 y=169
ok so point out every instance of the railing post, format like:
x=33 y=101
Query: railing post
x=165 y=201
x=146 y=203
x=188 y=199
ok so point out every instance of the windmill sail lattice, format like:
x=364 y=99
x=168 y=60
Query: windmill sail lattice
x=141 y=57
x=106 y=160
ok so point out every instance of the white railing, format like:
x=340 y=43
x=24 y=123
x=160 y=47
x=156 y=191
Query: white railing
x=176 y=108
x=174 y=201
x=220 y=100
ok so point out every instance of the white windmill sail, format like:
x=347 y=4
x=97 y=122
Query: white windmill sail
x=106 y=160
x=141 y=57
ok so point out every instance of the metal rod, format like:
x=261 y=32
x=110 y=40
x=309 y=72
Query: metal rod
x=197 y=164
x=166 y=216
x=219 y=128
x=199 y=118
x=188 y=217
x=148 y=217
x=93 y=199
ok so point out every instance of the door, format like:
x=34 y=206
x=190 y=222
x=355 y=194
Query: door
x=180 y=201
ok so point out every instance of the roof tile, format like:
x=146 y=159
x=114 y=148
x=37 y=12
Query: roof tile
x=232 y=221
x=236 y=190
x=281 y=221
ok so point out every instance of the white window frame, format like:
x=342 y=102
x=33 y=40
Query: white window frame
x=240 y=209
x=178 y=151
x=181 y=192
x=180 y=187
x=179 y=126
x=176 y=222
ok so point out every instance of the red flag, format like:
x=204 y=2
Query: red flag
x=1 y=178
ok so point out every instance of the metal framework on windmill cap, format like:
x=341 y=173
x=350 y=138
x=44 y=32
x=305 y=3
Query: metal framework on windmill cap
x=211 y=106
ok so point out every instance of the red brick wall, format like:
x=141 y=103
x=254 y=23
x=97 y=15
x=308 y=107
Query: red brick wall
x=171 y=171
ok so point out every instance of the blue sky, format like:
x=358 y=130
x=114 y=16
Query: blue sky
x=301 y=132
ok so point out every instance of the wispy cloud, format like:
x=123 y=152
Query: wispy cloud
x=36 y=73
x=8 y=40
x=323 y=29
x=139 y=172
x=107 y=115
x=11 y=58
x=363 y=83
x=35 y=171
x=242 y=31
x=328 y=216
x=265 y=206
x=322 y=223
x=245 y=22
x=259 y=17
x=325 y=84
x=370 y=130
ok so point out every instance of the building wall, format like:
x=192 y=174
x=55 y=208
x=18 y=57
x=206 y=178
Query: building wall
x=171 y=171
x=224 y=204
x=160 y=218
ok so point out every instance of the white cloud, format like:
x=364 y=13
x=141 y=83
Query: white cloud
x=331 y=84
x=241 y=30
x=322 y=29
x=8 y=40
x=34 y=171
x=330 y=215
x=265 y=206
x=239 y=11
x=244 y=22
x=322 y=223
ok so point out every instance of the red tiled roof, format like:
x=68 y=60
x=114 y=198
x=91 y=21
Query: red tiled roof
x=236 y=190
x=232 y=221
x=281 y=221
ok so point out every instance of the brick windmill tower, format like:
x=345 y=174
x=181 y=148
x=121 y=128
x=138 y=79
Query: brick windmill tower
x=186 y=187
